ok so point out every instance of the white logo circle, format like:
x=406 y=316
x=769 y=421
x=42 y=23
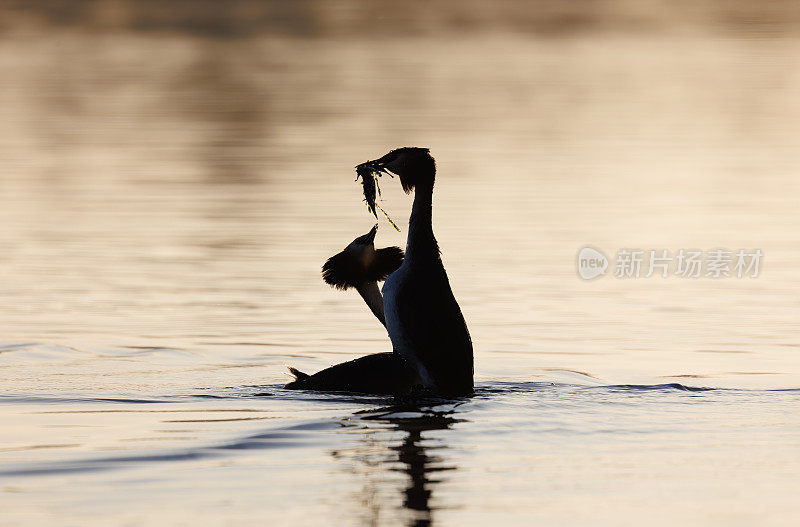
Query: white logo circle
x=591 y=263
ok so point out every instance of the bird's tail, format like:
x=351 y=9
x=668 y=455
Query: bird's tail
x=298 y=375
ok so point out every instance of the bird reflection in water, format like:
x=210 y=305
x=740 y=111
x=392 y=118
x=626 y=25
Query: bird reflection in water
x=380 y=452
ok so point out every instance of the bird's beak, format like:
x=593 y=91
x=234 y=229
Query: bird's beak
x=377 y=166
x=371 y=234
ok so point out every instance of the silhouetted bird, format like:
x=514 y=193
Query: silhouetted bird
x=361 y=266
x=422 y=316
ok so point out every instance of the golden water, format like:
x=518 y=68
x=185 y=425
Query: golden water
x=168 y=199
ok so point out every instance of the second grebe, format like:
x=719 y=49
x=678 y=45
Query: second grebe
x=360 y=266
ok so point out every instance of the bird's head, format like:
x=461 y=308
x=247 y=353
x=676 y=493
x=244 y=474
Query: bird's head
x=360 y=262
x=364 y=245
x=414 y=165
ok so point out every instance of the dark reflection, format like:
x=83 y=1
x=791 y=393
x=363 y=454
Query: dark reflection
x=418 y=455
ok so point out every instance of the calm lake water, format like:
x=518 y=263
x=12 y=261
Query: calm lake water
x=168 y=199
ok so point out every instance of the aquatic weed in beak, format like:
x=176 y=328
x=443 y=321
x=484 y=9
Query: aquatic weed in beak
x=370 y=183
x=372 y=191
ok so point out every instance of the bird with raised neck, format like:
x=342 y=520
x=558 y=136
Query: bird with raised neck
x=423 y=318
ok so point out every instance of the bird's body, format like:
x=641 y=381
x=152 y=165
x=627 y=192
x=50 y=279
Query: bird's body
x=427 y=328
x=379 y=374
x=423 y=318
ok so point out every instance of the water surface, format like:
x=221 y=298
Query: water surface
x=168 y=200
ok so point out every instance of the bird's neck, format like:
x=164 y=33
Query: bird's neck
x=371 y=294
x=421 y=244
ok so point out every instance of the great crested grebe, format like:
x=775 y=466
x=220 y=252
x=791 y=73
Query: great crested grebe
x=360 y=266
x=423 y=318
